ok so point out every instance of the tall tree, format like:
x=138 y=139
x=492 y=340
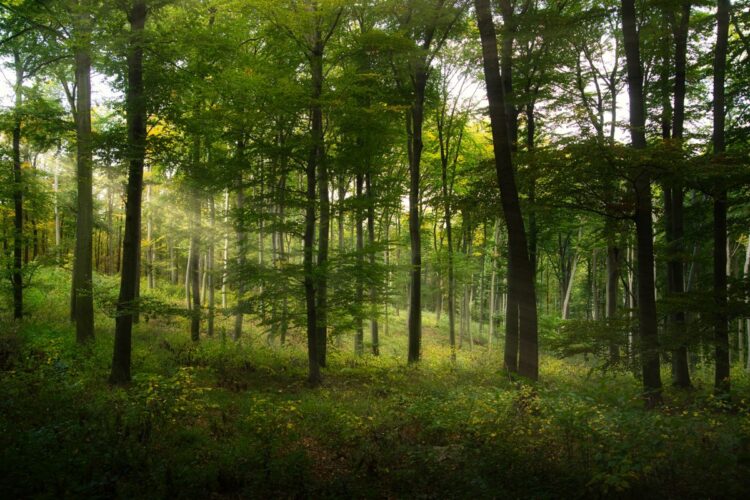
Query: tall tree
x=674 y=200
x=82 y=268
x=135 y=101
x=643 y=212
x=432 y=23
x=721 y=331
x=522 y=314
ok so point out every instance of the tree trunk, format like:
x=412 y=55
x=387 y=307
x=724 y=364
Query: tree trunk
x=359 y=336
x=521 y=323
x=721 y=333
x=84 y=296
x=414 y=131
x=374 y=333
x=195 y=272
x=613 y=275
x=241 y=243
x=225 y=257
x=188 y=267
x=493 y=282
x=58 y=226
x=594 y=285
x=314 y=159
x=136 y=124
x=482 y=281
x=451 y=267
x=150 y=256
x=643 y=216
x=210 y=268
x=674 y=208
x=17 y=275
x=325 y=210
x=342 y=187
x=569 y=288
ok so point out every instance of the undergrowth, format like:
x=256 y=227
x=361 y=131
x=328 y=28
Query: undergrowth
x=227 y=419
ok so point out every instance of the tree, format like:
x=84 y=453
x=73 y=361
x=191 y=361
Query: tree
x=721 y=334
x=674 y=198
x=522 y=318
x=430 y=23
x=83 y=298
x=136 y=123
x=643 y=217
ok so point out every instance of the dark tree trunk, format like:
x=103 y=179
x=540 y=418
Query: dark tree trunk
x=451 y=270
x=643 y=214
x=613 y=276
x=241 y=242
x=325 y=209
x=83 y=293
x=374 y=334
x=315 y=155
x=721 y=333
x=136 y=123
x=522 y=317
x=195 y=273
x=17 y=276
x=674 y=208
x=359 y=347
x=415 y=158
x=210 y=269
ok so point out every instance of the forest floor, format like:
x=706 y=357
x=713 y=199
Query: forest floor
x=220 y=419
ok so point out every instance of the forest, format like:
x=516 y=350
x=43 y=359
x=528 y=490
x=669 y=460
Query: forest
x=374 y=248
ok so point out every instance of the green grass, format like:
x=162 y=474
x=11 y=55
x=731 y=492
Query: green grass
x=237 y=420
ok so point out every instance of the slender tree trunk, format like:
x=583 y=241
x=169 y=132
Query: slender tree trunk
x=414 y=130
x=84 y=297
x=397 y=303
x=451 y=267
x=643 y=216
x=58 y=229
x=569 y=289
x=281 y=245
x=342 y=187
x=594 y=285
x=315 y=316
x=613 y=276
x=493 y=282
x=482 y=280
x=17 y=275
x=188 y=269
x=195 y=272
x=172 y=262
x=136 y=123
x=521 y=323
x=150 y=254
x=359 y=336
x=225 y=257
x=325 y=210
x=210 y=268
x=241 y=243
x=374 y=333
x=675 y=215
x=533 y=230
x=721 y=333
x=138 y=266
x=111 y=264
